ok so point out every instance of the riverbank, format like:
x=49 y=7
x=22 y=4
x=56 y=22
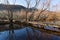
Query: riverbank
x=20 y=25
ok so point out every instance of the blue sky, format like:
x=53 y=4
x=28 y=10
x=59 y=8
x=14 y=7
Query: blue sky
x=22 y=2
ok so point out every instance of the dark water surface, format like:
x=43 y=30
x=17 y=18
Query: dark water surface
x=21 y=34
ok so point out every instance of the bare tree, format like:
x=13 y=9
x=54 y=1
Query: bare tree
x=10 y=15
x=44 y=7
x=28 y=5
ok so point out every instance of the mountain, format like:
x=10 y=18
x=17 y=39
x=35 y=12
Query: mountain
x=12 y=7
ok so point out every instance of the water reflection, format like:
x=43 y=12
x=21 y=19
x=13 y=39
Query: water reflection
x=21 y=34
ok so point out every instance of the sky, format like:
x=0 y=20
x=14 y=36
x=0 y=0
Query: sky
x=53 y=3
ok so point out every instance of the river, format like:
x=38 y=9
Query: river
x=21 y=34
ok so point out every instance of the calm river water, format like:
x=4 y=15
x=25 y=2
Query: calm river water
x=21 y=34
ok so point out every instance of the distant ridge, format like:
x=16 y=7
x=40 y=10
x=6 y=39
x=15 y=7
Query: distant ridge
x=13 y=7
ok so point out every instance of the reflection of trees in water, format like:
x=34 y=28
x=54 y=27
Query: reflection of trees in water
x=28 y=35
x=32 y=36
x=36 y=35
x=11 y=35
x=11 y=32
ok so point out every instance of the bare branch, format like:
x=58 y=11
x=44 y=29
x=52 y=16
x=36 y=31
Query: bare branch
x=43 y=8
x=37 y=2
x=28 y=3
